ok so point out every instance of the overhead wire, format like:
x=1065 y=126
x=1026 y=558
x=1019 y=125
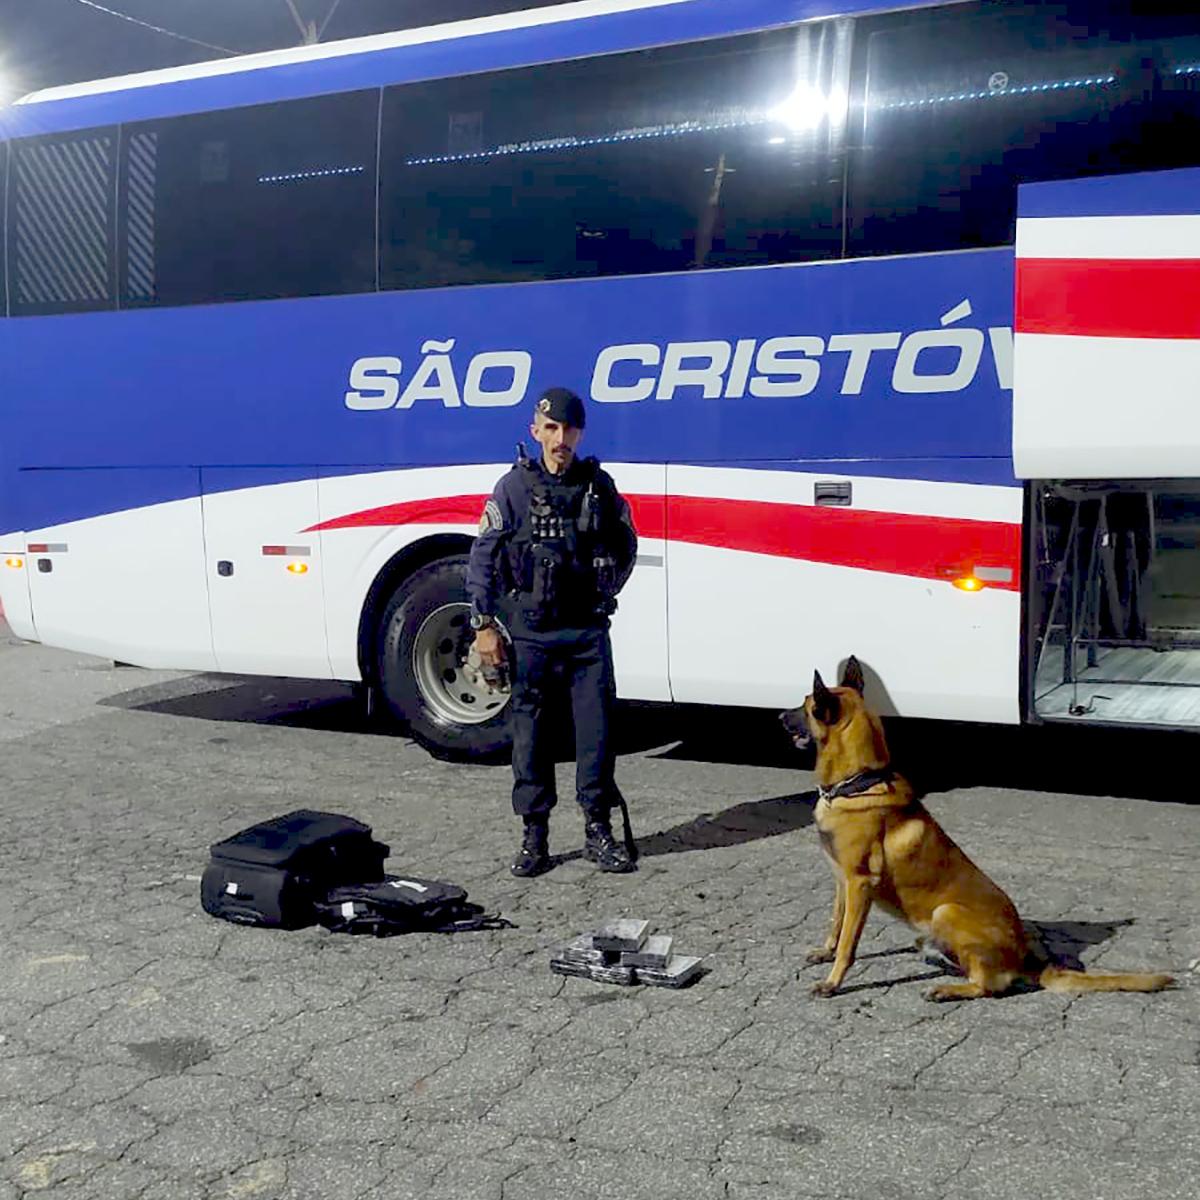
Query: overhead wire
x=183 y=37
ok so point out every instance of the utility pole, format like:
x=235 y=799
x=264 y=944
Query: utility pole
x=309 y=35
x=708 y=218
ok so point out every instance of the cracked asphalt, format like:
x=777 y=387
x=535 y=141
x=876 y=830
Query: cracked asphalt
x=150 y=1052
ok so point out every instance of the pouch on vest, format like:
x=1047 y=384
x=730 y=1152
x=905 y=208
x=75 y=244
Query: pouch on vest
x=270 y=874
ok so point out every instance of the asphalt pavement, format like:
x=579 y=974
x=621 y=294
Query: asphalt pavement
x=150 y=1052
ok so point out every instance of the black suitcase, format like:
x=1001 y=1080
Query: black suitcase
x=271 y=873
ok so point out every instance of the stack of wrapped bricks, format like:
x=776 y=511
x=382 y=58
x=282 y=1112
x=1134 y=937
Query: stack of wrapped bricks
x=625 y=952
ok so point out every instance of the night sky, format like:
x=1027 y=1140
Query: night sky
x=49 y=42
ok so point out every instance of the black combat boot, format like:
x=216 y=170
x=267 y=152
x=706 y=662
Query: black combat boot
x=534 y=856
x=602 y=848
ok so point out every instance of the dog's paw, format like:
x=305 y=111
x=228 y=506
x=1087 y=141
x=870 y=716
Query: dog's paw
x=819 y=955
x=940 y=995
x=823 y=989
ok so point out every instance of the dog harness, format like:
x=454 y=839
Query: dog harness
x=861 y=792
x=864 y=781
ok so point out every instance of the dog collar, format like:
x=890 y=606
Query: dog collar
x=856 y=785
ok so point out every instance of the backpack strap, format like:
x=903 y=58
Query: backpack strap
x=466 y=918
x=469 y=922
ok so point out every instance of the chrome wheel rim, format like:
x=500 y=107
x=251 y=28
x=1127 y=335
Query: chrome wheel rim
x=449 y=681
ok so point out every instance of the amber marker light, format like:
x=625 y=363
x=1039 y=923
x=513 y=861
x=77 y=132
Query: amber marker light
x=14 y=562
x=969 y=583
x=298 y=567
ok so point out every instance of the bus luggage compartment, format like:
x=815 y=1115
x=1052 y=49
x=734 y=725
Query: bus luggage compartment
x=1107 y=328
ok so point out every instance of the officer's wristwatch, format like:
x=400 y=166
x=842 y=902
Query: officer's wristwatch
x=482 y=621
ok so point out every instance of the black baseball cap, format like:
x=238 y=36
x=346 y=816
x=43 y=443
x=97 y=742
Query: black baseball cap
x=562 y=405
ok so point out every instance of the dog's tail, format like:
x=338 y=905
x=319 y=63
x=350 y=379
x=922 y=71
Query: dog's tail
x=1060 y=979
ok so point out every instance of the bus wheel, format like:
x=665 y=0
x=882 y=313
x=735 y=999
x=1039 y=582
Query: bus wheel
x=428 y=677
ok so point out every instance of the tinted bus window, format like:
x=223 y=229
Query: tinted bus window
x=60 y=223
x=250 y=203
x=4 y=210
x=959 y=106
x=723 y=153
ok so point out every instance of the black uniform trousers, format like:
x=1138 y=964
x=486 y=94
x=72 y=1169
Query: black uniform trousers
x=551 y=668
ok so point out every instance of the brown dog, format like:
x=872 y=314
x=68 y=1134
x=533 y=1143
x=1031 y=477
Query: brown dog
x=886 y=849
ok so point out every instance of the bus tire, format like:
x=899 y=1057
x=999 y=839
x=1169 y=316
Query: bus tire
x=424 y=636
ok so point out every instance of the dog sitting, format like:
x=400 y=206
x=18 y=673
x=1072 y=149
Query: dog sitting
x=886 y=849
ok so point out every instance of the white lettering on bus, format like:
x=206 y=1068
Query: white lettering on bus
x=968 y=343
x=743 y=356
x=375 y=383
x=786 y=367
x=375 y=380
x=711 y=376
x=435 y=367
x=860 y=347
x=803 y=374
x=604 y=390
x=1001 y=337
x=519 y=363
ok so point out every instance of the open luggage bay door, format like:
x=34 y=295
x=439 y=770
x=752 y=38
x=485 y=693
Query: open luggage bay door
x=1106 y=427
x=1106 y=378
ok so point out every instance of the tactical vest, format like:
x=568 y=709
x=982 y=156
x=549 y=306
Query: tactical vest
x=560 y=573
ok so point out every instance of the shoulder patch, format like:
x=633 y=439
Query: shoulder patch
x=491 y=518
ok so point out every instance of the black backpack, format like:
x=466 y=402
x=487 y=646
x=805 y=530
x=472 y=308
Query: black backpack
x=402 y=904
x=272 y=874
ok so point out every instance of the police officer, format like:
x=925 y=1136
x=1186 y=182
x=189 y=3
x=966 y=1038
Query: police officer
x=556 y=544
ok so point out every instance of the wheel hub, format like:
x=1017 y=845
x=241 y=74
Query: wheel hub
x=448 y=671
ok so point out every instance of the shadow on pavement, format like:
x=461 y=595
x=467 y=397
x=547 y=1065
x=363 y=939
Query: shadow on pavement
x=939 y=756
x=746 y=822
x=341 y=707
x=303 y=703
x=936 y=755
x=1065 y=939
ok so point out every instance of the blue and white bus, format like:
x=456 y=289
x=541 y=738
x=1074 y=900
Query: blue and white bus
x=273 y=325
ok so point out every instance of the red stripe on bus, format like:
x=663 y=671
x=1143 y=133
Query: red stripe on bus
x=897 y=543
x=1086 y=297
x=439 y=510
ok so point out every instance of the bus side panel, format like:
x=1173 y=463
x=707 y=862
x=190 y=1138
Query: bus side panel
x=639 y=626
x=265 y=571
x=799 y=586
x=16 y=607
x=127 y=585
x=368 y=517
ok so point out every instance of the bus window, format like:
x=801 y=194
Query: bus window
x=959 y=106
x=60 y=223
x=4 y=204
x=250 y=203
x=723 y=153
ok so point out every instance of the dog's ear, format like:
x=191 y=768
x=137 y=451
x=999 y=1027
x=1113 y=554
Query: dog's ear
x=825 y=704
x=852 y=675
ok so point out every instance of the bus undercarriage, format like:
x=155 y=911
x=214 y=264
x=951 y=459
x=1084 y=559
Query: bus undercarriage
x=1113 y=614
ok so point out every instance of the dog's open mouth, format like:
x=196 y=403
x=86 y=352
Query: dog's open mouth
x=794 y=726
